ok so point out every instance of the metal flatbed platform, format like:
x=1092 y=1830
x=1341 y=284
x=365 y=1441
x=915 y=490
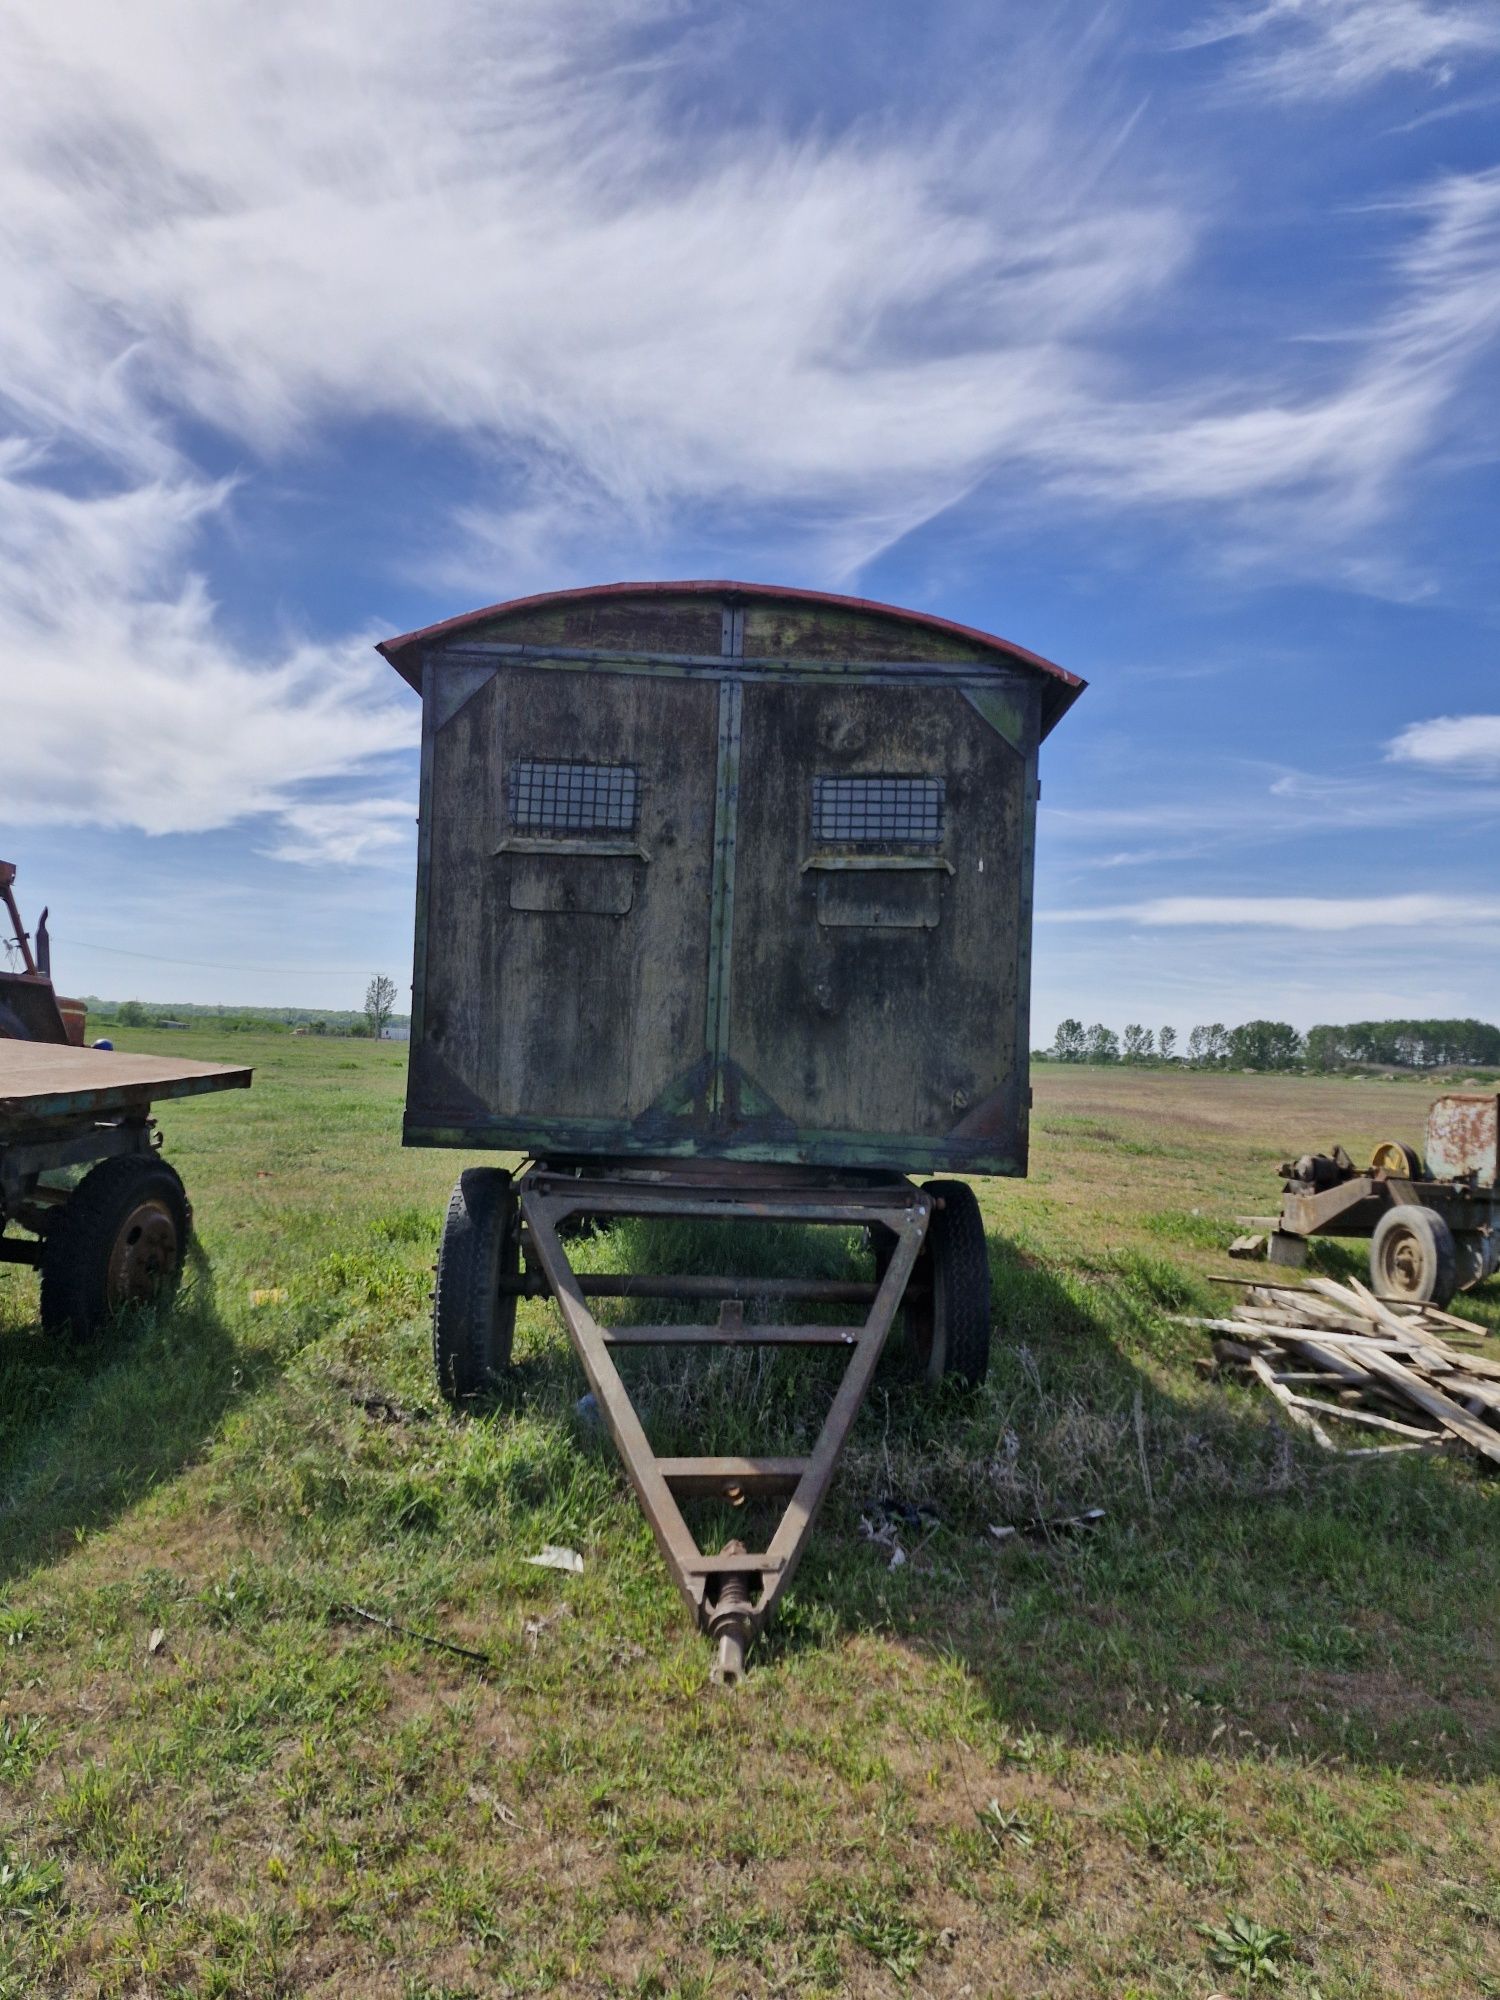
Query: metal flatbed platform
x=117 y=1237
x=44 y=1081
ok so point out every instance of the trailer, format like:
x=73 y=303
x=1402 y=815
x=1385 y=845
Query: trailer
x=1434 y=1226
x=118 y=1235
x=723 y=912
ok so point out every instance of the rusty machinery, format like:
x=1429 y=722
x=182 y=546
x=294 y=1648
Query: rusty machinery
x=1433 y=1225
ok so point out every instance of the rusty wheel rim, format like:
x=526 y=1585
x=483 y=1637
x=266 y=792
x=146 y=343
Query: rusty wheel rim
x=1402 y=1263
x=144 y=1255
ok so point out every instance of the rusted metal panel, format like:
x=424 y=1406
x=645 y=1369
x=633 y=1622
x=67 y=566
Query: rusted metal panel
x=1352 y=1208
x=31 y=1011
x=1463 y=1138
x=30 y=1007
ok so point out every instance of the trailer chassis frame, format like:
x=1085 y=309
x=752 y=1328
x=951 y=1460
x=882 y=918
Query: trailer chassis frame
x=732 y=1593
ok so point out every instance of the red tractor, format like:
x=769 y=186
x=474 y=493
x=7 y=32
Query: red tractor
x=30 y=1008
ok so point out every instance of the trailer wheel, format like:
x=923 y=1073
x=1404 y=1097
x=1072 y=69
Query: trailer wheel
x=119 y=1241
x=472 y=1324
x=1413 y=1256
x=949 y=1329
x=1471 y=1262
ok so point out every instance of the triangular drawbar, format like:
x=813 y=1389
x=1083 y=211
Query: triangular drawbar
x=733 y=1592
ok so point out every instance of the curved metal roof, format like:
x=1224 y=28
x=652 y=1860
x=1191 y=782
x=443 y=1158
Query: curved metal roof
x=1063 y=688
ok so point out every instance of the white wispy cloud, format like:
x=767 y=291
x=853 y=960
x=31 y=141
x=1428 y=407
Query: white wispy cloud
x=1334 y=48
x=1309 y=469
x=344 y=830
x=1296 y=913
x=635 y=313
x=1451 y=742
x=1248 y=805
x=124 y=704
x=494 y=227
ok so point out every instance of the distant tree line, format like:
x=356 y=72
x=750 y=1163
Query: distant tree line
x=1409 y=1044
x=1276 y=1045
x=107 y=1014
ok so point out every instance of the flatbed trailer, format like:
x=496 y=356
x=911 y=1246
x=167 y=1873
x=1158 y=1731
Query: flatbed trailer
x=119 y=1236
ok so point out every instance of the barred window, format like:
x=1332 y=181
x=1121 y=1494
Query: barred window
x=573 y=798
x=878 y=812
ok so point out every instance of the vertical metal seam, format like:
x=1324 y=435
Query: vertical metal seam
x=721 y=902
x=1029 y=793
x=733 y=700
x=424 y=855
x=721 y=905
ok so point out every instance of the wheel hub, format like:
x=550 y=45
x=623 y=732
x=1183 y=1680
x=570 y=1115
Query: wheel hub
x=1403 y=1264
x=144 y=1254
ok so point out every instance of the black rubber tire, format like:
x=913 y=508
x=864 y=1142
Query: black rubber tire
x=1470 y=1265
x=472 y=1325
x=1413 y=1257
x=120 y=1240
x=949 y=1331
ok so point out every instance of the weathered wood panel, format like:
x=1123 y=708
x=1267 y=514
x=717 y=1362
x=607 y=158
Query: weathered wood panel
x=623 y=624
x=558 y=983
x=901 y=1024
x=832 y=632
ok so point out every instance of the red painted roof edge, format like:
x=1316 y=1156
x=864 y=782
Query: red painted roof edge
x=403 y=652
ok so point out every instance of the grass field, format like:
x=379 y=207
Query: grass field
x=1260 y=1701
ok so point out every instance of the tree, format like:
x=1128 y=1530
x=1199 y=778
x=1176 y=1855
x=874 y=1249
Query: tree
x=1139 y=1046
x=1265 y=1045
x=1102 y=1044
x=1067 y=1043
x=1325 y=1048
x=380 y=1001
x=1208 y=1046
x=1166 y=1044
x=131 y=1015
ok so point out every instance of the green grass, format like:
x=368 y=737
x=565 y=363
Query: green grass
x=1243 y=1734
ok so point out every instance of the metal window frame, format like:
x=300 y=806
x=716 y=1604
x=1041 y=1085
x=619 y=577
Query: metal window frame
x=558 y=798
x=876 y=811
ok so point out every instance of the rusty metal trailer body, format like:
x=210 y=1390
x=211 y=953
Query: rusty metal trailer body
x=1434 y=1227
x=723 y=908
x=121 y=1233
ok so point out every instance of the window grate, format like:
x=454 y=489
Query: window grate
x=878 y=812
x=573 y=798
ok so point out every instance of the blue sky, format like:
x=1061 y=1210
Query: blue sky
x=1161 y=340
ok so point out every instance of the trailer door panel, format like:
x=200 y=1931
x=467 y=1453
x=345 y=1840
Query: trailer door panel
x=568 y=916
x=877 y=909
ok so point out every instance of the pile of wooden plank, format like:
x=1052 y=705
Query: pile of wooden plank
x=1334 y=1355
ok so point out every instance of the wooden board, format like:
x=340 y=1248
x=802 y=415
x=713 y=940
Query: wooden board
x=40 y=1080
